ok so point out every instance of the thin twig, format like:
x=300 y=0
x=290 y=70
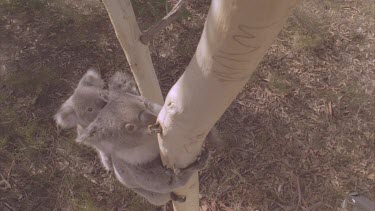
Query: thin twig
x=9 y=207
x=299 y=192
x=4 y=184
x=10 y=169
x=169 y=18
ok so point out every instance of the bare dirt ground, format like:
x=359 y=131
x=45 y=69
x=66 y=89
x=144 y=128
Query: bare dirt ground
x=300 y=136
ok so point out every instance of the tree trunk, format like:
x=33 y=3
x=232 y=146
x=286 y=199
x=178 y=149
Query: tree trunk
x=236 y=35
x=235 y=38
x=138 y=55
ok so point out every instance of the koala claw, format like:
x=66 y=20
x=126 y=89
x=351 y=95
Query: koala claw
x=176 y=171
x=177 y=198
x=155 y=128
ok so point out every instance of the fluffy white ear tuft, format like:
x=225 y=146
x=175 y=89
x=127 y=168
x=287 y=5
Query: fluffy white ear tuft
x=91 y=78
x=93 y=73
x=66 y=116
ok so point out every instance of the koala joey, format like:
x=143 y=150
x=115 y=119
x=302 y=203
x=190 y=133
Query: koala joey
x=85 y=104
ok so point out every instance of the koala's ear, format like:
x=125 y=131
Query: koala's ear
x=91 y=78
x=66 y=117
x=122 y=81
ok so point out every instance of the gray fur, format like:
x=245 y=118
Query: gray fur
x=83 y=106
x=122 y=82
x=135 y=152
x=119 y=132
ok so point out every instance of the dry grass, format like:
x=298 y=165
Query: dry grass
x=300 y=136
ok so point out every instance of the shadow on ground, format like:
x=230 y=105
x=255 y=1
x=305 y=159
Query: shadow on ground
x=299 y=136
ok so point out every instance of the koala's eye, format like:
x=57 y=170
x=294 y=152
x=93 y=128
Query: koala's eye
x=90 y=109
x=130 y=128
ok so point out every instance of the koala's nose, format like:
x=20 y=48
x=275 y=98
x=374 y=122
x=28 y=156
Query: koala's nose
x=147 y=118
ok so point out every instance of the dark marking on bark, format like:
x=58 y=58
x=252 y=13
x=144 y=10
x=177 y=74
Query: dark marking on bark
x=230 y=59
x=226 y=76
x=235 y=69
x=240 y=53
x=223 y=62
x=241 y=39
x=244 y=27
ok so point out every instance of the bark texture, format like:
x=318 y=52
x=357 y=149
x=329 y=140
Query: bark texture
x=138 y=55
x=235 y=38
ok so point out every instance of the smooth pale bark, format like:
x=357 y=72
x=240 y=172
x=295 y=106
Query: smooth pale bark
x=235 y=38
x=138 y=55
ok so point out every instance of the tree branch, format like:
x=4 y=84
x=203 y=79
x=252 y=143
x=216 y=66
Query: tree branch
x=138 y=55
x=168 y=19
x=235 y=37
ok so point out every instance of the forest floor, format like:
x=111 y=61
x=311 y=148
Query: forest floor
x=300 y=135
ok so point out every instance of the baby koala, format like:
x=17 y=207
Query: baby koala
x=85 y=104
x=88 y=99
x=118 y=129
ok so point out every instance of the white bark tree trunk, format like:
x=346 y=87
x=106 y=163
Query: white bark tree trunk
x=138 y=55
x=235 y=38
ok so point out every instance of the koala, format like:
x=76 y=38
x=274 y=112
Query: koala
x=85 y=104
x=81 y=108
x=121 y=131
x=115 y=122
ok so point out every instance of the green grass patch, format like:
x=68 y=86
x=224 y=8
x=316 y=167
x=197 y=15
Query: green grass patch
x=279 y=84
x=34 y=5
x=80 y=197
x=307 y=42
x=30 y=82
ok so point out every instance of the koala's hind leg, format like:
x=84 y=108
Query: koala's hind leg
x=157 y=199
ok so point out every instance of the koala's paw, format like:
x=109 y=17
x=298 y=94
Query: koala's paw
x=177 y=198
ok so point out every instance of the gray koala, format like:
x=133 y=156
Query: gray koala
x=88 y=99
x=115 y=123
x=85 y=104
x=121 y=131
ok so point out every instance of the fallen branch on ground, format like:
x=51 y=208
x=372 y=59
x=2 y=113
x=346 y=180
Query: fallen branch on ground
x=168 y=19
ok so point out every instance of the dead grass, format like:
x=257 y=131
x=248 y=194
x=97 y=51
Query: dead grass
x=300 y=136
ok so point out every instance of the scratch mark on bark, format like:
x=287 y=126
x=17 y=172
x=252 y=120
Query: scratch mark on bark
x=236 y=64
x=224 y=61
x=239 y=53
x=225 y=76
